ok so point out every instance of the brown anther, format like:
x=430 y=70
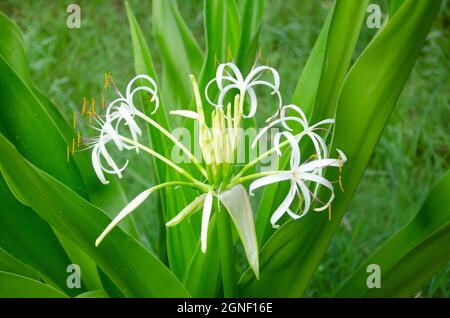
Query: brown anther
x=78 y=139
x=329 y=212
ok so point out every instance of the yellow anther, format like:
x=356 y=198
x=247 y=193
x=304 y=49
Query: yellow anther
x=83 y=109
x=228 y=54
x=329 y=212
x=68 y=153
x=73 y=146
x=92 y=105
x=78 y=139
x=340 y=183
x=106 y=80
x=74 y=120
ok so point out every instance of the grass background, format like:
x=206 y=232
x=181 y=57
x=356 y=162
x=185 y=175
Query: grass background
x=68 y=64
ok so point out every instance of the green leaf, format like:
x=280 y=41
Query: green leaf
x=132 y=268
x=411 y=256
x=94 y=294
x=338 y=40
x=341 y=42
x=27 y=238
x=368 y=96
x=233 y=29
x=181 y=240
x=16 y=286
x=215 y=14
x=30 y=119
x=180 y=53
x=237 y=203
x=202 y=276
x=8 y=263
x=251 y=23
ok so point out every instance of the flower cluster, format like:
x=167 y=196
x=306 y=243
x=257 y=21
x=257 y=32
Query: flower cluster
x=218 y=142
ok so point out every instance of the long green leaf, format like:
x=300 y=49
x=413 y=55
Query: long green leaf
x=40 y=123
x=331 y=57
x=8 y=263
x=181 y=240
x=30 y=240
x=368 y=96
x=180 y=53
x=251 y=23
x=411 y=256
x=16 y=286
x=134 y=270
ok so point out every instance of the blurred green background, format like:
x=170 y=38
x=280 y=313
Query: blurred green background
x=413 y=152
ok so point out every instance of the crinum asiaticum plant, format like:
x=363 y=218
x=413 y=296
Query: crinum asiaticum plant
x=53 y=208
x=221 y=176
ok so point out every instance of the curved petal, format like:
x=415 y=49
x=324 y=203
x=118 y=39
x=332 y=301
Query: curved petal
x=207 y=207
x=185 y=113
x=284 y=206
x=282 y=176
x=130 y=207
x=188 y=210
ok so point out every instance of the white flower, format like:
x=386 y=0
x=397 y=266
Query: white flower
x=299 y=175
x=121 y=110
x=309 y=131
x=100 y=152
x=152 y=90
x=229 y=77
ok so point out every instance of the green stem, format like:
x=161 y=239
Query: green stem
x=226 y=254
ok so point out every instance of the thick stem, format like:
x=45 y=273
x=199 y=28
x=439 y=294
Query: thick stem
x=226 y=254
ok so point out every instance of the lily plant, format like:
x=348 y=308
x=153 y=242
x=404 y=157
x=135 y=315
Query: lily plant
x=221 y=175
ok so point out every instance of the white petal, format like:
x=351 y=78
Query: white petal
x=306 y=196
x=207 y=206
x=264 y=130
x=237 y=203
x=185 y=113
x=189 y=209
x=224 y=92
x=322 y=181
x=284 y=206
x=97 y=166
x=152 y=92
x=282 y=176
x=137 y=201
x=253 y=103
x=295 y=149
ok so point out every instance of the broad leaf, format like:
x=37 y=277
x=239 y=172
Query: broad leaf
x=181 y=240
x=16 y=286
x=412 y=255
x=132 y=268
x=180 y=53
x=368 y=96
